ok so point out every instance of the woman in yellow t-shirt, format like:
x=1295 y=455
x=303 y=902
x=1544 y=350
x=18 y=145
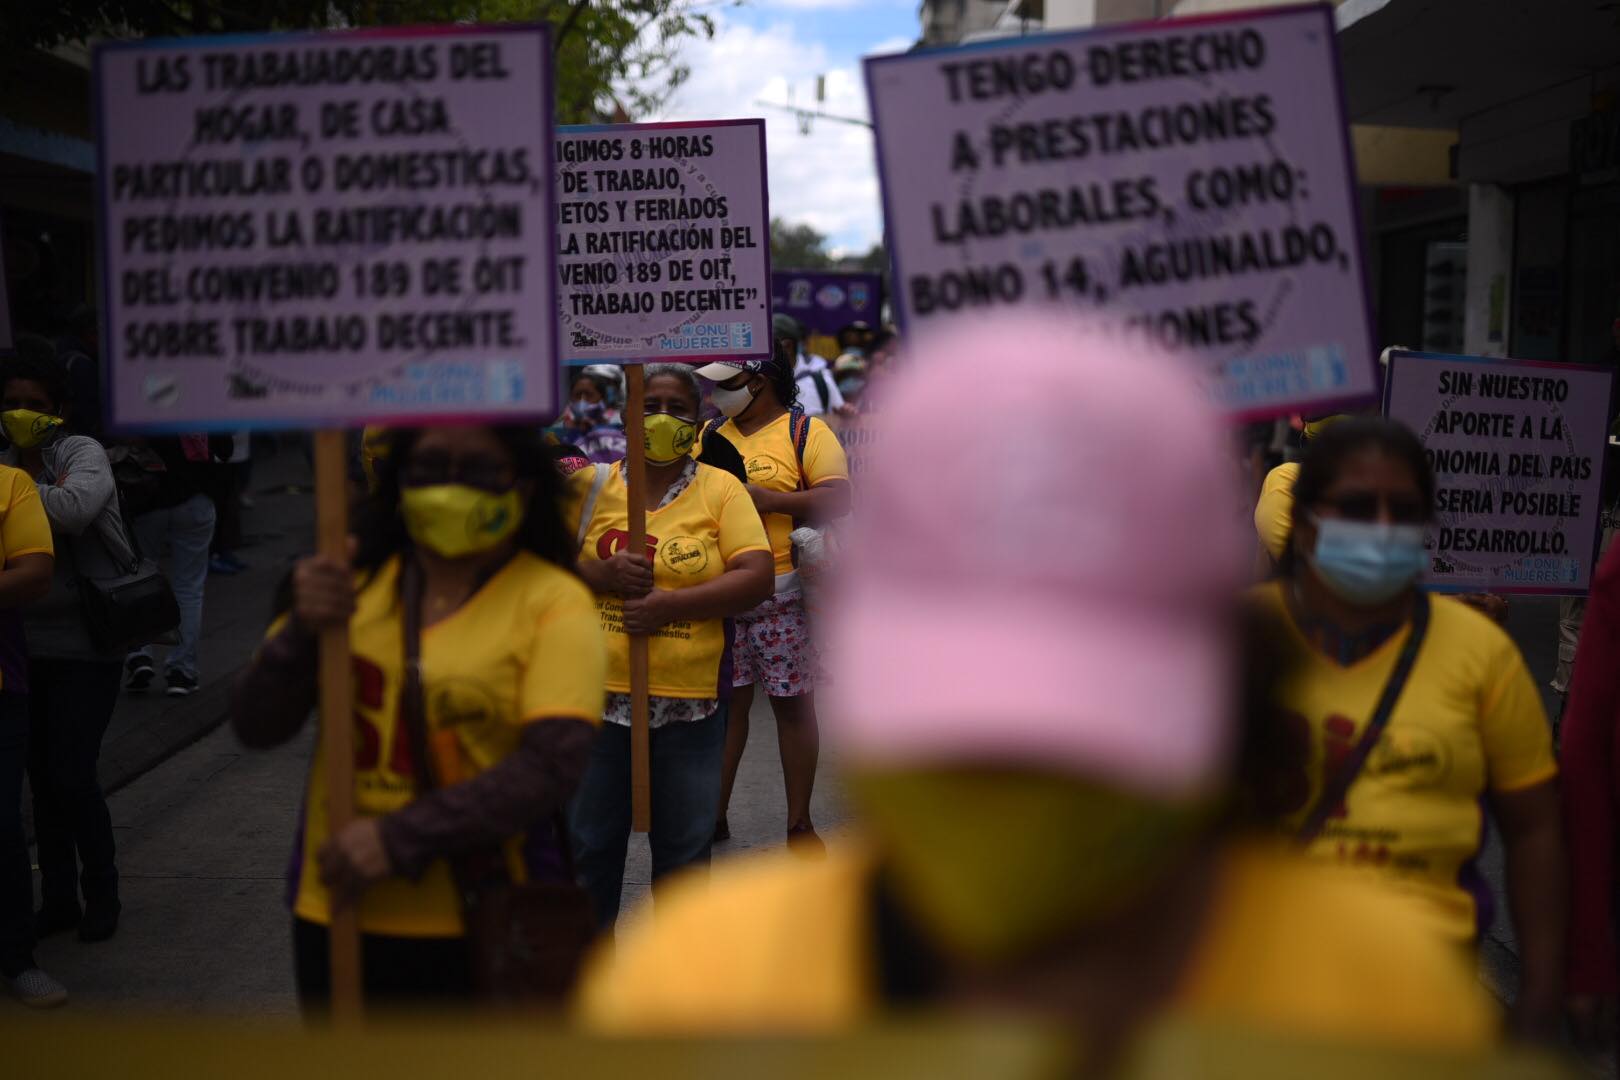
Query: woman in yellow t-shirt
x=464 y=522
x=1467 y=729
x=707 y=560
x=796 y=472
x=27 y=559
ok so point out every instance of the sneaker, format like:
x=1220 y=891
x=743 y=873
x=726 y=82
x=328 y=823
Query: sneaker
x=225 y=565
x=179 y=683
x=53 y=919
x=140 y=672
x=100 y=920
x=38 y=990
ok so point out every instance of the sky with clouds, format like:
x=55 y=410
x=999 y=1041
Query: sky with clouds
x=827 y=178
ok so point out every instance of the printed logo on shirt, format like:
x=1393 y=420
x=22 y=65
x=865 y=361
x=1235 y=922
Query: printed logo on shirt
x=461 y=703
x=614 y=541
x=1410 y=758
x=684 y=554
x=761 y=469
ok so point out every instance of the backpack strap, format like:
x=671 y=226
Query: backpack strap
x=820 y=379
x=588 y=507
x=799 y=429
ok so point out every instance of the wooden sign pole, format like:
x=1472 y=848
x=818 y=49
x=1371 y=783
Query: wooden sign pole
x=635 y=429
x=337 y=715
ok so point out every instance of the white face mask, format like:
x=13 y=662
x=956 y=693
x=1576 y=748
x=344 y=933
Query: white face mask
x=732 y=402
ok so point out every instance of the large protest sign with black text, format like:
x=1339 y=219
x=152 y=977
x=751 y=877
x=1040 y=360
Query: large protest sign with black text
x=664 y=234
x=1517 y=451
x=323 y=229
x=1189 y=181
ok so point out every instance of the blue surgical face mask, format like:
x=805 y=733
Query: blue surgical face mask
x=1365 y=562
x=590 y=412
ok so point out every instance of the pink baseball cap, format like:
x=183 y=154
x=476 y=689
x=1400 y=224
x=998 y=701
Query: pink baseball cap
x=1044 y=562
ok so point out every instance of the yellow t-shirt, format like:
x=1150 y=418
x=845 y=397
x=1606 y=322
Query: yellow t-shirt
x=24 y=530
x=1469 y=721
x=1274 y=512
x=525 y=647
x=690 y=541
x=777 y=944
x=771 y=463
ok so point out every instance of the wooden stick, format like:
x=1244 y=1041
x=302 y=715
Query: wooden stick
x=635 y=434
x=337 y=715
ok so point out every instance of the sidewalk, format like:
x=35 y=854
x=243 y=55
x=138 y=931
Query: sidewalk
x=149 y=728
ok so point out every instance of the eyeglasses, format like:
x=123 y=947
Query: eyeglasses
x=486 y=474
x=1364 y=506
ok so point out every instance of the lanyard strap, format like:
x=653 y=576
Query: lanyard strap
x=1334 y=791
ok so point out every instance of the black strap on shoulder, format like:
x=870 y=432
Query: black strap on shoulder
x=1334 y=791
x=820 y=379
x=799 y=431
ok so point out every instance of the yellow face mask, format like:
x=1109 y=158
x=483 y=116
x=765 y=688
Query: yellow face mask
x=996 y=864
x=454 y=520
x=669 y=438
x=1313 y=428
x=27 y=429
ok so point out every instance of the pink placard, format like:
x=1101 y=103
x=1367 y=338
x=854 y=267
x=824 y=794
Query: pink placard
x=664 y=241
x=1517 y=451
x=1188 y=181
x=327 y=229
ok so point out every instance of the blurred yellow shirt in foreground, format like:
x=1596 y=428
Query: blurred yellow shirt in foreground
x=780 y=945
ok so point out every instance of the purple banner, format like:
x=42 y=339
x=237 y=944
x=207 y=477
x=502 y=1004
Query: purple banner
x=826 y=301
x=1517 y=451
x=1188 y=181
x=327 y=228
x=664 y=241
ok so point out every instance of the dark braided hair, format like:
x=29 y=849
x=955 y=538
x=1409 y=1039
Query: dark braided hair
x=778 y=371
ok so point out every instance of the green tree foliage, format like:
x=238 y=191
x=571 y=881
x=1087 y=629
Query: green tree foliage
x=798 y=247
x=611 y=55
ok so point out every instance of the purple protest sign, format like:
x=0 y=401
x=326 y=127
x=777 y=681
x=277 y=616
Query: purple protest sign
x=1188 y=181
x=1517 y=450
x=826 y=301
x=327 y=229
x=664 y=241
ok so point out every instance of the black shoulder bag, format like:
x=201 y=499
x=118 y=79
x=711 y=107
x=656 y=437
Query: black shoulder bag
x=1338 y=785
x=133 y=607
x=526 y=940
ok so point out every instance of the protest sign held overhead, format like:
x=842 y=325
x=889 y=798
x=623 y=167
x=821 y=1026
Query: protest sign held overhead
x=1188 y=181
x=327 y=228
x=664 y=241
x=1517 y=452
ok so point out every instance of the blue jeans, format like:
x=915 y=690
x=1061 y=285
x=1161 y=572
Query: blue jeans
x=685 y=763
x=185 y=533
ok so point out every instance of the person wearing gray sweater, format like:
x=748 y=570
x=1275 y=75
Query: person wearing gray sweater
x=73 y=684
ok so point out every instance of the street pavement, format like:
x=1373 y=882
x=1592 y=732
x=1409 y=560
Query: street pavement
x=205 y=826
x=203 y=847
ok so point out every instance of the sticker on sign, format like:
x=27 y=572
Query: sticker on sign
x=327 y=229
x=1188 y=182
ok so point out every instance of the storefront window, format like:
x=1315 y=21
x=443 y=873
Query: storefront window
x=1594 y=262
x=1538 y=280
